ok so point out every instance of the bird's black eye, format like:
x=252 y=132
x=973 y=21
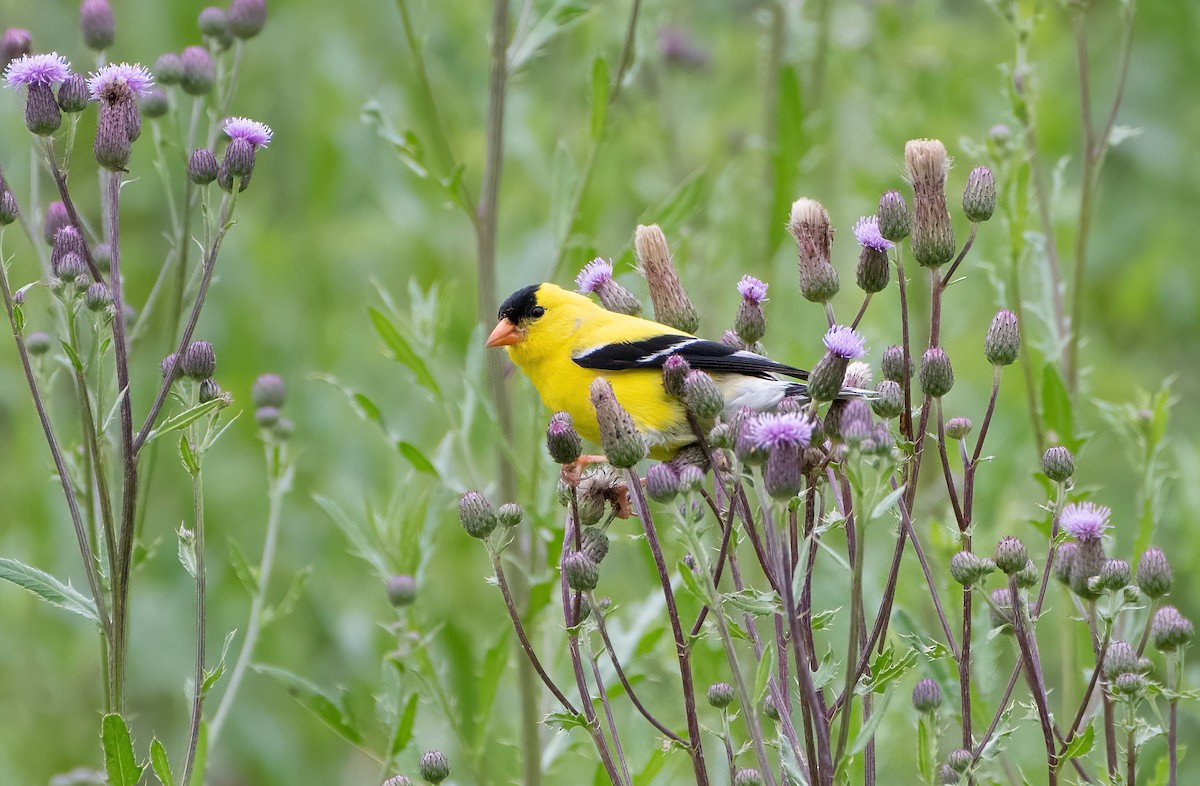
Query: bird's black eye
x=536 y=312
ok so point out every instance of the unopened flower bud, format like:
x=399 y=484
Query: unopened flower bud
x=1154 y=575
x=266 y=416
x=749 y=776
x=1000 y=611
x=477 y=515
x=199 y=360
x=959 y=760
x=769 y=710
x=1058 y=464
x=169 y=367
x=947 y=775
x=662 y=484
x=239 y=158
x=701 y=395
x=9 y=211
x=15 y=43
x=895 y=222
x=672 y=306
x=1027 y=576
x=927 y=165
x=247 y=17
x=623 y=444
x=1010 y=555
x=401 y=590
x=968 y=568
x=720 y=695
x=855 y=425
x=979 y=197
x=892 y=365
x=937 y=376
x=168 y=69
x=594 y=543
x=1064 y=561
x=1002 y=344
x=398 y=780
x=510 y=514
x=97 y=24
x=722 y=435
x=102 y=254
x=268 y=391
x=199 y=73
x=154 y=103
x=582 y=573
x=213 y=23
x=38 y=343
x=562 y=440
x=958 y=428
x=1120 y=658
x=926 y=695
x=1130 y=685
x=42 y=113
x=209 y=390
x=434 y=767
x=1114 y=574
x=202 y=167
x=73 y=95
x=1170 y=629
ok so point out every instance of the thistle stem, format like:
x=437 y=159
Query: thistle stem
x=201 y=629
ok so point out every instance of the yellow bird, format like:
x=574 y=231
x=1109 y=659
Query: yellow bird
x=563 y=340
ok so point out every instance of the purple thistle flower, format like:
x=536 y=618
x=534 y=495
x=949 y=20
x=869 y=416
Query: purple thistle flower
x=37 y=70
x=752 y=289
x=115 y=80
x=845 y=342
x=254 y=132
x=866 y=231
x=594 y=275
x=1085 y=520
x=775 y=430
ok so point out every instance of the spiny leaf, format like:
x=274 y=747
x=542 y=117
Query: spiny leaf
x=119 y=762
x=49 y=589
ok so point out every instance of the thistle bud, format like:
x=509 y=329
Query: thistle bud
x=691 y=478
x=510 y=514
x=199 y=73
x=1120 y=658
x=926 y=695
x=239 y=158
x=102 y=255
x=1027 y=576
x=968 y=568
x=113 y=146
x=1064 y=562
x=582 y=573
x=97 y=24
x=623 y=444
x=42 y=114
x=722 y=435
x=213 y=23
x=892 y=365
x=401 y=590
x=671 y=303
x=873 y=269
x=675 y=371
x=720 y=695
x=1130 y=685
x=597 y=277
x=927 y=165
x=9 y=211
x=38 y=343
x=199 y=360
x=979 y=197
x=1002 y=344
x=266 y=416
x=434 y=767
x=169 y=367
x=958 y=428
x=1000 y=611
x=750 y=324
x=1010 y=555
x=701 y=395
x=769 y=710
x=268 y=391
x=398 y=780
x=959 y=760
x=825 y=381
x=168 y=69
x=1170 y=629
x=855 y=425
x=749 y=776
x=1058 y=464
x=73 y=95
x=809 y=225
x=476 y=514
x=1114 y=574
x=202 y=167
x=15 y=43
x=209 y=390
x=895 y=222
x=937 y=376
x=947 y=775
x=71 y=267
x=1154 y=575
x=594 y=543
x=154 y=103
x=562 y=440
x=662 y=484
x=247 y=17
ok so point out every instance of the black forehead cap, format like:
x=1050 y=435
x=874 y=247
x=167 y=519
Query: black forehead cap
x=520 y=304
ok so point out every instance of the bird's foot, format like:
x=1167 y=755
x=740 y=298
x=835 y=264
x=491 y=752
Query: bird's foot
x=572 y=473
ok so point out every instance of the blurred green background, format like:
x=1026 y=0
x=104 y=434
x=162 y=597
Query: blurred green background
x=332 y=211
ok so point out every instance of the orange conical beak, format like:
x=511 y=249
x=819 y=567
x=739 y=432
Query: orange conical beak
x=505 y=334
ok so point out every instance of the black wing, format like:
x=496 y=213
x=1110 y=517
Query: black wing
x=700 y=354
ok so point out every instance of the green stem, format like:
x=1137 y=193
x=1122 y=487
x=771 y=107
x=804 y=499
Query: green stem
x=201 y=626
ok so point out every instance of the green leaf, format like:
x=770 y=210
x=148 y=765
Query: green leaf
x=160 y=763
x=416 y=458
x=212 y=675
x=693 y=585
x=49 y=589
x=1056 y=407
x=565 y=721
x=766 y=668
x=329 y=709
x=489 y=680
x=72 y=356
x=185 y=418
x=789 y=148
x=200 y=760
x=887 y=502
x=119 y=762
x=401 y=350
x=599 y=97
x=405 y=726
x=241 y=567
x=288 y=601
x=190 y=463
x=925 y=756
x=867 y=732
x=364 y=546
x=1080 y=746
x=187 y=549
x=754 y=601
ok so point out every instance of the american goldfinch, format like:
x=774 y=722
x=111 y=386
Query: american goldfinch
x=563 y=341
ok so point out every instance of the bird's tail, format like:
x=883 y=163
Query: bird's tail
x=800 y=390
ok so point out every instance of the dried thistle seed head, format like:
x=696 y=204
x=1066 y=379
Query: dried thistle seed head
x=892 y=364
x=247 y=17
x=958 y=428
x=594 y=543
x=858 y=375
x=1120 y=658
x=42 y=113
x=748 y=776
x=1000 y=611
x=895 y=222
x=582 y=573
x=926 y=695
x=199 y=360
x=154 y=103
x=168 y=69
x=434 y=766
x=15 y=43
x=73 y=95
x=750 y=323
x=672 y=306
x=1058 y=464
x=266 y=417
x=597 y=276
x=720 y=695
x=937 y=375
x=701 y=395
x=199 y=73
x=9 y=211
x=401 y=590
x=1114 y=574
x=97 y=24
x=562 y=440
x=623 y=444
x=1011 y=555
x=1002 y=344
x=1064 y=562
x=959 y=760
x=1170 y=629
x=927 y=165
x=510 y=514
x=476 y=514
x=38 y=343
x=979 y=197
x=202 y=167
x=809 y=225
x=1154 y=574
x=268 y=390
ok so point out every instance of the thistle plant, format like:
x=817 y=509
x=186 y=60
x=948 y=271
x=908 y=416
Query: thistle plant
x=104 y=445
